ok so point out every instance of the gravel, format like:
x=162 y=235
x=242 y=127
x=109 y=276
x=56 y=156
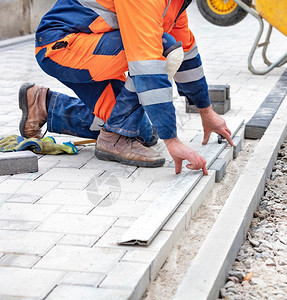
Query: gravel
x=260 y=269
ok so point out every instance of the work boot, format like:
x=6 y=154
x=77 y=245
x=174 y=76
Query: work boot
x=32 y=102
x=114 y=147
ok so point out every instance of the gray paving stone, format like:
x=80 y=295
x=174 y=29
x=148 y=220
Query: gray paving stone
x=151 y=193
x=23 y=283
x=18 y=225
x=237 y=140
x=73 y=197
x=176 y=223
x=72 y=185
x=219 y=166
x=16 y=260
x=83 y=278
x=226 y=154
x=219 y=93
x=79 y=240
x=117 y=183
x=140 y=256
x=43 y=167
x=154 y=258
x=128 y=275
x=221 y=107
x=82 y=259
x=76 y=209
x=124 y=222
x=27 y=212
x=37 y=187
x=70 y=174
x=18 y=198
x=111 y=237
x=32 y=243
x=18 y=162
x=3 y=178
x=77 y=224
x=257 y=125
x=76 y=292
x=122 y=208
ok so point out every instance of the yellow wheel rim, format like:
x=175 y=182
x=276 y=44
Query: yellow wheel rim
x=222 y=7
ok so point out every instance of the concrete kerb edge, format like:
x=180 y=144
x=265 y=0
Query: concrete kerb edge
x=193 y=201
x=16 y=40
x=200 y=281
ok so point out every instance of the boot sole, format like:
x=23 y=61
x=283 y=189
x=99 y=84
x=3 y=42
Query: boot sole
x=137 y=163
x=23 y=105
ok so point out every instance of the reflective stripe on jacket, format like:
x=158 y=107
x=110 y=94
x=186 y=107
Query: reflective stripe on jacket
x=142 y=24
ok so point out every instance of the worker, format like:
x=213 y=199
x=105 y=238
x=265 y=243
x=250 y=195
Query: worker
x=119 y=58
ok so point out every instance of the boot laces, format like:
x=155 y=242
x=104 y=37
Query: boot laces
x=128 y=140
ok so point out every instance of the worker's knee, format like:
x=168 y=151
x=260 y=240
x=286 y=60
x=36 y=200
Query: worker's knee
x=173 y=52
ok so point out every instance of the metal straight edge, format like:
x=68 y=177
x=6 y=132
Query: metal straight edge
x=146 y=227
x=208 y=271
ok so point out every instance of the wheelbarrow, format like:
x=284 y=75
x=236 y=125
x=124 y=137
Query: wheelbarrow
x=230 y=12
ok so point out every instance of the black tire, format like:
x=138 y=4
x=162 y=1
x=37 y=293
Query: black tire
x=227 y=19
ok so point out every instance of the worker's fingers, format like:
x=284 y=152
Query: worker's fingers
x=206 y=137
x=227 y=135
x=178 y=165
x=205 y=172
x=197 y=162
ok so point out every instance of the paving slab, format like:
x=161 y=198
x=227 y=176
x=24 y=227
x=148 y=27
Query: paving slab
x=30 y=243
x=14 y=282
x=83 y=278
x=73 y=197
x=37 y=187
x=27 y=212
x=76 y=292
x=77 y=224
x=220 y=167
x=260 y=121
x=16 y=260
x=82 y=259
x=128 y=275
x=18 y=162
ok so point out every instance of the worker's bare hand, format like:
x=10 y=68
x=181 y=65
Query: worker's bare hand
x=180 y=152
x=212 y=122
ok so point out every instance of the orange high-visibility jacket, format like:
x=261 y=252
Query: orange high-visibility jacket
x=141 y=24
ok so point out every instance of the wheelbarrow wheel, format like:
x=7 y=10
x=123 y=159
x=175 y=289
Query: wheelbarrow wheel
x=222 y=12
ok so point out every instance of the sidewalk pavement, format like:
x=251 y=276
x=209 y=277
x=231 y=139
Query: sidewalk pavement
x=59 y=227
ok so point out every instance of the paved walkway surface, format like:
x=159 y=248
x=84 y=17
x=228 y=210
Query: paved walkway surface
x=59 y=227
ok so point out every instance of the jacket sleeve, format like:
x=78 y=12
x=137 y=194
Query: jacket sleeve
x=141 y=27
x=190 y=79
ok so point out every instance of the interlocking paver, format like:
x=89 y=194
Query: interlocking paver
x=79 y=240
x=18 y=225
x=38 y=187
x=27 y=282
x=29 y=212
x=83 y=259
x=72 y=197
x=122 y=208
x=70 y=174
x=16 y=260
x=77 y=224
x=128 y=275
x=76 y=292
x=75 y=209
x=83 y=278
x=18 y=198
x=37 y=243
